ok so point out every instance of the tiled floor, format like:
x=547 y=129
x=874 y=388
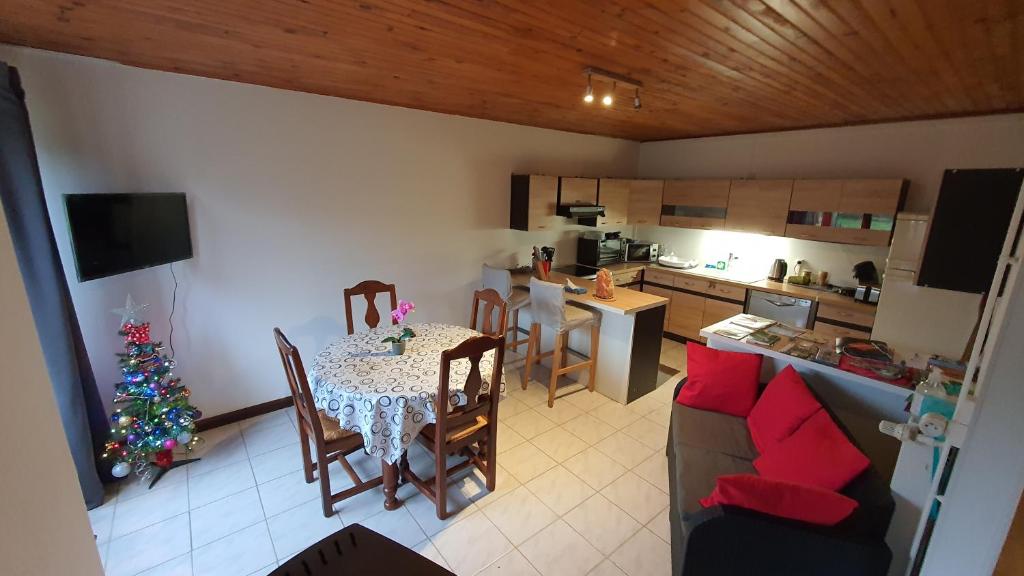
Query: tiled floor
x=673 y=354
x=582 y=489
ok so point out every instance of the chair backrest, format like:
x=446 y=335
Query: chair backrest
x=492 y=303
x=305 y=407
x=369 y=290
x=497 y=279
x=477 y=403
x=547 y=303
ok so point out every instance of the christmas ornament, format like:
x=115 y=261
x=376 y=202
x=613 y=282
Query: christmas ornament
x=120 y=470
x=124 y=421
x=130 y=310
x=184 y=438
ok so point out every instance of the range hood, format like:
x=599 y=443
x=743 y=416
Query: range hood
x=585 y=214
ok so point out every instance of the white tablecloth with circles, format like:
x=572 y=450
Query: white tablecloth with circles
x=389 y=399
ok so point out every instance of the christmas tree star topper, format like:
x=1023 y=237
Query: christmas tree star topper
x=130 y=311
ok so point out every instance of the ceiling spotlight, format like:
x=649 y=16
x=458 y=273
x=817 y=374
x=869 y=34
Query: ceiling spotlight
x=607 y=99
x=588 y=96
x=636 y=100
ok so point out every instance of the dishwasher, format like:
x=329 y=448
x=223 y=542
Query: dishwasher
x=795 y=312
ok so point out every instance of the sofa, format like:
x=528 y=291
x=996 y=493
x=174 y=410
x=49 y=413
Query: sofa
x=724 y=540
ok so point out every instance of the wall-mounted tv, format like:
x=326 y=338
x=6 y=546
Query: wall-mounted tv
x=115 y=233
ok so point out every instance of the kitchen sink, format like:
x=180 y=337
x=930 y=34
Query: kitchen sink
x=674 y=261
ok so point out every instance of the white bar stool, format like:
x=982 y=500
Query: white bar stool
x=549 y=308
x=500 y=280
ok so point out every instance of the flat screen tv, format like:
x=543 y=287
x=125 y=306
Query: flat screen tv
x=115 y=233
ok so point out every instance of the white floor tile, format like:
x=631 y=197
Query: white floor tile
x=220 y=447
x=180 y=566
x=430 y=552
x=259 y=440
x=277 y=463
x=238 y=554
x=425 y=511
x=149 y=547
x=560 y=444
x=266 y=421
x=526 y=462
x=536 y=394
x=661 y=526
x=225 y=516
x=102 y=520
x=529 y=423
x=606 y=568
x=624 y=449
x=602 y=523
x=223 y=481
x=654 y=470
x=644 y=555
x=510 y=406
x=559 y=551
x=636 y=497
x=587 y=401
x=661 y=416
x=137 y=513
x=265 y=571
x=615 y=414
x=519 y=515
x=590 y=429
x=286 y=492
x=473 y=485
x=471 y=544
x=560 y=489
x=134 y=486
x=594 y=468
x=294 y=530
x=652 y=435
x=562 y=411
x=511 y=564
x=398 y=525
x=508 y=438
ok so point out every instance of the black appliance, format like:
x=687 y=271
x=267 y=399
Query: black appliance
x=115 y=233
x=599 y=248
x=578 y=270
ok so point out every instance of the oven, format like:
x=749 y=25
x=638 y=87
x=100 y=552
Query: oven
x=640 y=252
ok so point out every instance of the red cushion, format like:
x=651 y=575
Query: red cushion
x=783 y=406
x=783 y=499
x=818 y=453
x=720 y=381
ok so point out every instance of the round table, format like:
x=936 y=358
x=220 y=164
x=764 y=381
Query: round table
x=388 y=399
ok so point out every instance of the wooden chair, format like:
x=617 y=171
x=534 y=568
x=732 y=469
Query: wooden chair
x=469 y=429
x=516 y=298
x=369 y=290
x=549 y=308
x=332 y=442
x=492 y=301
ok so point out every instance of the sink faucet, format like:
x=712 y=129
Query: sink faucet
x=728 y=263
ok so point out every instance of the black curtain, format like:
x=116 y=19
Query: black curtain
x=74 y=387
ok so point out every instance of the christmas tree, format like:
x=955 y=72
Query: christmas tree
x=153 y=415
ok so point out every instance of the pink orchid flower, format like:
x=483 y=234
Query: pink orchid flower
x=397 y=315
x=406 y=306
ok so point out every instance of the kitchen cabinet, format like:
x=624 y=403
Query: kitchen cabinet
x=695 y=302
x=626 y=278
x=716 y=310
x=860 y=211
x=645 y=198
x=697 y=204
x=577 y=191
x=687 y=312
x=664 y=293
x=759 y=206
x=613 y=194
x=534 y=200
x=871 y=196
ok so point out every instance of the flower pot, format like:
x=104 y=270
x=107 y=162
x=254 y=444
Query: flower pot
x=398 y=348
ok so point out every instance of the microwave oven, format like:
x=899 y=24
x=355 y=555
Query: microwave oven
x=640 y=252
x=599 y=249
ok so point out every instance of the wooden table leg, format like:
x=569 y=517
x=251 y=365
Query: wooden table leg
x=390 y=473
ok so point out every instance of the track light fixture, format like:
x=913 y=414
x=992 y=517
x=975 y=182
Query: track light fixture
x=615 y=79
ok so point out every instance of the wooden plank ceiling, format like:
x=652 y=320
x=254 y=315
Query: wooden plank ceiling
x=709 y=67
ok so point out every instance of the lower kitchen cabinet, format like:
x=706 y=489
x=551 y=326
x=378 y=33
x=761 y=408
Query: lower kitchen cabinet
x=687 y=315
x=664 y=293
x=716 y=310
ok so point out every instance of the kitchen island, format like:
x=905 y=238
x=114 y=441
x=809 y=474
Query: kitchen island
x=630 y=345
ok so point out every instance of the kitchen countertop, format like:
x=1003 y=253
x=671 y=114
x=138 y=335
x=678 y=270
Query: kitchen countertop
x=781 y=288
x=627 y=301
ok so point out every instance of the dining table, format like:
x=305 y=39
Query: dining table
x=389 y=398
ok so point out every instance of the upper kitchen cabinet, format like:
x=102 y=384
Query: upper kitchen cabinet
x=759 y=206
x=577 y=191
x=845 y=211
x=613 y=194
x=697 y=204
x=645 y=197
x=534 y=200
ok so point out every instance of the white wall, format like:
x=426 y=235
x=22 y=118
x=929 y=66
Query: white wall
x=43 y=525
x=293 y=197
x=918 y=151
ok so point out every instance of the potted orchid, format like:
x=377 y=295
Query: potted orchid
x=405 y=308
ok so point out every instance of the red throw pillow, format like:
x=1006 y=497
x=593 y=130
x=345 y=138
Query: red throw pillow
x=720 y=381
x=818 y=453
x=783 y=406
x=782 y=499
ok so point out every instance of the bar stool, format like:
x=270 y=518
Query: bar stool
x=549 y=308
x=517 y=298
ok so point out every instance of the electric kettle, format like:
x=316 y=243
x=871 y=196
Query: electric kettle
x=778 y=270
